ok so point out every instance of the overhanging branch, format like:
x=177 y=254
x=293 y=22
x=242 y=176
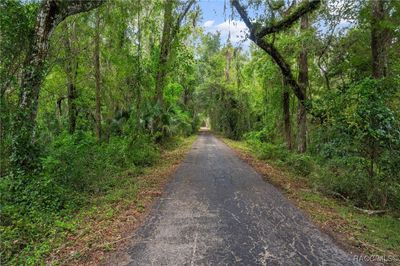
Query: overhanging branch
x=258 y=38
x=286 y=22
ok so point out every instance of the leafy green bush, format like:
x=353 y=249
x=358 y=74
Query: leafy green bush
x=266 y=134
x=142 y=151
x=29 y=205
x=74 y=167
x=79 y=161
x=360 y=144
x=301 y=164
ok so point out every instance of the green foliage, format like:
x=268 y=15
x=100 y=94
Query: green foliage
x=75 y=169
x=356 y=147
x=361 y=139
x=300 y=164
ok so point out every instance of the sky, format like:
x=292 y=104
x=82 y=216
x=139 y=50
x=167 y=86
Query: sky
x=216 y=19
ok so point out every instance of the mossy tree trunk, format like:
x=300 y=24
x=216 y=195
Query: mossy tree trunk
x=303 y=82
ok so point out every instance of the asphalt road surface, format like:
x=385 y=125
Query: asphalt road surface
x=218 y=211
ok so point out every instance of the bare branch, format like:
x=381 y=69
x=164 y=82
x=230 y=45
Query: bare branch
x=283 y=66
x=272 y=51
x=177 y=26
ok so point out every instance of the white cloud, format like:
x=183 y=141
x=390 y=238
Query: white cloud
x=208 y=23
x=236 y=29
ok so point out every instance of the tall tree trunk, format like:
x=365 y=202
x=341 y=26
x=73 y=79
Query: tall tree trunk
x=170 y=30
x=71 y=69
x=50 y=14
x=97 y=76
x=228 y=57
x=164 y=52
x=139 y=67
x=379 y=39
x=72 y=110
x=287 y=128
x=303 y=83
x=379 y=43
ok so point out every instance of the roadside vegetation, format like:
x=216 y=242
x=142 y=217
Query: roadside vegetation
x=372 y=233
x=85 y=213
x=89 y=106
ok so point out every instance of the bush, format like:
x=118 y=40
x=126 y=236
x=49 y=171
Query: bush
x=359 y=142
x=80 y=163
x=74 y=167
x=29 y=205
x=142 y=151
x=300 y=164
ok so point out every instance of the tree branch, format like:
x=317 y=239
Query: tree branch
x=283 y=66
x=258 y=38
x=78 y=6
x=178 y=23
x=243 y=14
x=286 y=22
x=183 y=14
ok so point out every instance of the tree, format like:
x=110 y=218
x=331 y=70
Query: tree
x=50 y=14
x=379 y=39
x=303 y=82
x=169 y=34
x=165 y=47
x=71 y=69
x=287 y=124
x=258 y=34
x=97 y=75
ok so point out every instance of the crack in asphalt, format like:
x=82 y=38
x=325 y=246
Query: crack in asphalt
x=218 y=211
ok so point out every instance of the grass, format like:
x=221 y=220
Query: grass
x=358 y=232
x=86 y=236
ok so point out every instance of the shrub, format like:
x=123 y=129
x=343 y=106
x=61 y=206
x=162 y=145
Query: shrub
x=361 y=138
x=142 y=151
x=301 y=164
x=74 y=167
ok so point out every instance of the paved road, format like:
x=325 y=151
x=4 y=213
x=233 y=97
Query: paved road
x=218 y=211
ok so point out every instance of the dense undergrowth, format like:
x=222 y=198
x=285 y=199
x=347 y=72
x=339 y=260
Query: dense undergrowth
x=332 y=177
x=40 y=208
x=353 y=145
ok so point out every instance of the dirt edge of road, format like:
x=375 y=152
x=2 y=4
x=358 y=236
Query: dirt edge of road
x=102 y=238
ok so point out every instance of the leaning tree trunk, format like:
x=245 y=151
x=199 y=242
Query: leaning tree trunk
x=97 y=76
x=287 y=129
x=51 y=13
x=303 y=82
